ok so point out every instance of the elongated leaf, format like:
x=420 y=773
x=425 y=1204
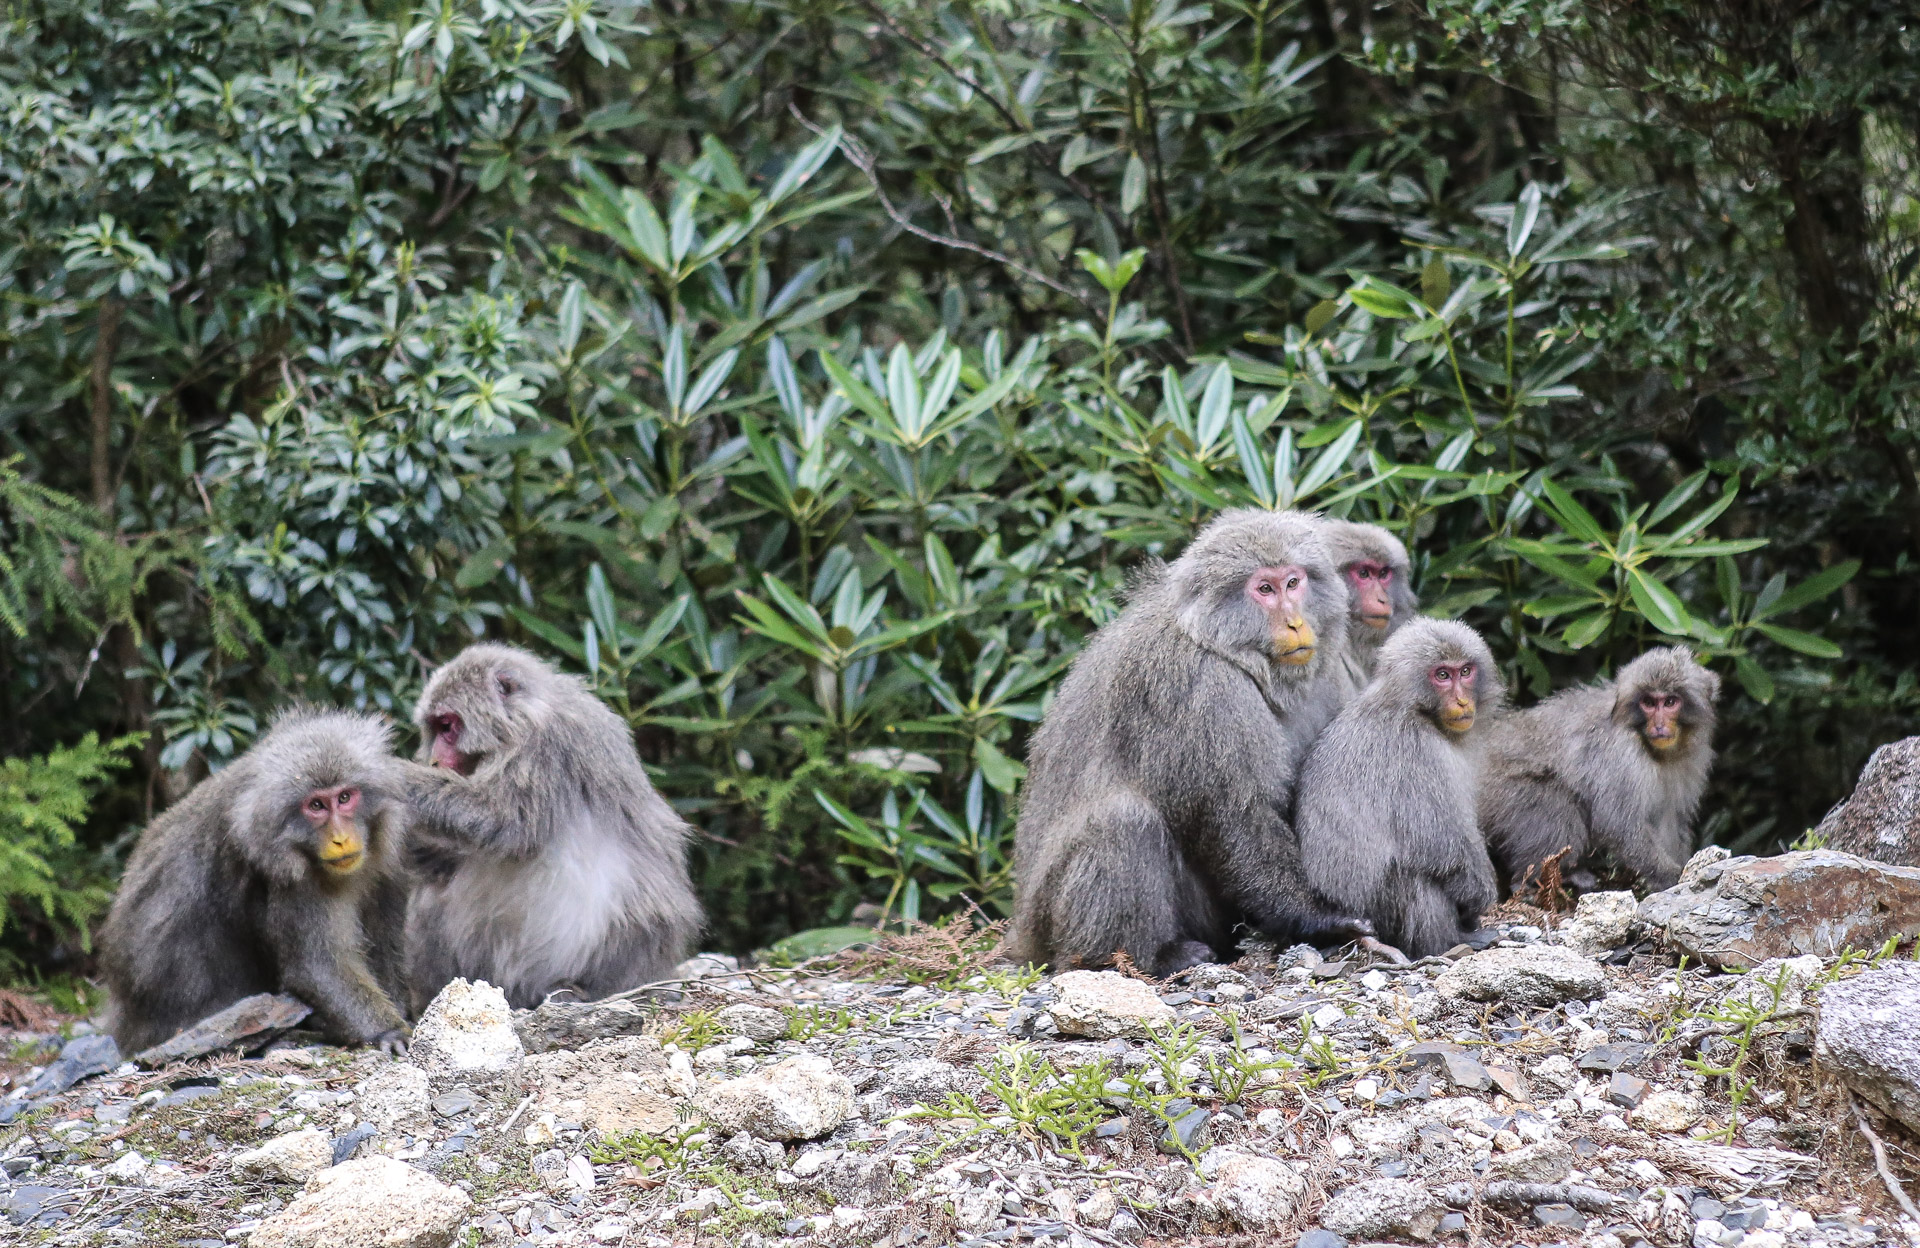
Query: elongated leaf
x=1586 y=630
x=1809 y=591
x=649 y=233
x=673 y=365
x=1133 y=193
x=1660 y=605
x=660 y=627
x=1382 y=299
x=1555 y=563
x=940 y=389
x=606 y=618
x=903 y=391
x=1704 y=550
x=711 y=380
x=1572 y=517
x=1173 y=402
x=856 y=391
x=1253 y=464
x=483 y=564
x=555 y=637
x=1001 y=772
x=764 y=620
x=1526 y=211
x=572 y=316
x=1711 y=513
x=1677 y=497
x=1216 y=404
x=1754 y=679
x=1805 y=643
x=1329 y=462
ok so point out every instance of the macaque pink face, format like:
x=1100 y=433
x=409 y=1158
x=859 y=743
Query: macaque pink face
x=1661 y=711
x=1370 y=583
x=1454 y=683
x=335 y=816
x=445 y=750
x=1281 y=592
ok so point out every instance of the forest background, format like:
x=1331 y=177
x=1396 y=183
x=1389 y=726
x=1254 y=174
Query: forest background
x=809 y=374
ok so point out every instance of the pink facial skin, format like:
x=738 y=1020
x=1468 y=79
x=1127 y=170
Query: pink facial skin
x=1281 y=592
x=1454 y=683
x=445 y=750
x=1370 y=583
x=1663 y=719
x=335 y=816
x=326 y=804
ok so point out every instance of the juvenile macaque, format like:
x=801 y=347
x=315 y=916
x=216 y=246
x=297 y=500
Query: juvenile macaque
x=1155 y=817
x=1386 y=814
x=549 y=861
x=280 y=873
x=1379 y=587
x=1617 y=766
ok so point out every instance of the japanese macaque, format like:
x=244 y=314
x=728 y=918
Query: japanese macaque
x=549 y=861
x=1156 y=811
x=1379 y=587
x=283 y=872
x=1617 y=766
x=1387 y=797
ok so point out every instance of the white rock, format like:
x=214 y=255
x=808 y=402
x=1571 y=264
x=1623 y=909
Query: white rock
x=1667 y=1111
x=293 y=1158
x=755 y=1022
x=580 y=1173
x=373 y=1202
x=1556 y=1072
x=1106 y=1004
x=707 y=965
x=1536 y=975
x=467 y=1030
x=613 y=1086
x=1382 y=1207
x=396 y=1097
x=1790 y=976
x=611 y=1230
x=1600 y=922
x=1098 y=1209
x=1867 y=1037
x=129 y=1167
x=1258 y=1193
x=797 y=1099
x=1534 y=1163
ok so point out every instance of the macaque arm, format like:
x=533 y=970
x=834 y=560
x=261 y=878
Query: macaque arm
x=1261 y=873
x=318 y=943
x=1641 y=845
x=453 y=814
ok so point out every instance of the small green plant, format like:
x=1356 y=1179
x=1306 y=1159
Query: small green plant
x=806 y=1022
x=1035 y=1099
x=671 y=1151
x=1171 y=1049
x=1013 y=984
x=692 y=1031
x=1239 y=1072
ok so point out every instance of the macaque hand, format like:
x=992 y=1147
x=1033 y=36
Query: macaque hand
x=392 y=1042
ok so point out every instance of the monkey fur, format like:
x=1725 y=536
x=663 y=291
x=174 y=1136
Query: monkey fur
x=1387 y=796
x=1618 y=766
x=283 y=872
x=1379 y=578
x=1159 y=785
x=549 y=861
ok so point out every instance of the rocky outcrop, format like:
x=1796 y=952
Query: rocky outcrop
x=1881 y=819
x=1739 y=912
x=1870 y=1037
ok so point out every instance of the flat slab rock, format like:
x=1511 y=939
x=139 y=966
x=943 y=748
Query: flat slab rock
x=1537 y=975
x=1739 y=912
x=1881 y=819
x=1869 y=1035
x=1103 y=1005
x=254 y=1019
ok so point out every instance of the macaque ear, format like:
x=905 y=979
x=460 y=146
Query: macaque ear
x=505 y=683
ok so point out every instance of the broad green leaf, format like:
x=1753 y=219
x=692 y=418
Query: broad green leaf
x=572 y=316
x=903 y=390
x=1330 y=462
x=1435 y=283
x=1253 y=464
x=1319 y=315
x=1572 y=517
x=1677 y=498
x=1660 y=605
x=483 y=564
x=1805 y=643
x=1586 y=630
x=1001 y=772
x=1216 y=404
x=1754 y=679
x=1382 y=299
x=1173 y=402
x=1133 y=191
x=600 y=605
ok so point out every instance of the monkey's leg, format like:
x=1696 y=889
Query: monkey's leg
x=1655 y=854
x=1429 y=921
x=317 y=942
x=1261 y=873
x=1124 y=887
x=429 y=949
x=383 y=920
x=1535 y=820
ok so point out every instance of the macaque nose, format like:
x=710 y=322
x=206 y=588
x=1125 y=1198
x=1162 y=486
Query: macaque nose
x=342 y=849
x=1293 y=642
x=1457 y=715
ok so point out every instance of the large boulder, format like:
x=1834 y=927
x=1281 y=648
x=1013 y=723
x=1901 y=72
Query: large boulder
x=375 y=1202
x=1105 y=1004
x=797 y=1099
x=1881 y=820
x=1537 y=975
x=1739 y=912
x=1867 y=1036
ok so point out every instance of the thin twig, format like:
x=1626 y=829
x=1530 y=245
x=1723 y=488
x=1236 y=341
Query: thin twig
x=1881 y=1164
x=515 y=1115
x=864 y=162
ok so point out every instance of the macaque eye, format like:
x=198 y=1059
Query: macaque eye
x=1293 y=582
x=346 y=795
x=1442 y=674
x=1266 y=587
x=1466 y=671
x=317 y=805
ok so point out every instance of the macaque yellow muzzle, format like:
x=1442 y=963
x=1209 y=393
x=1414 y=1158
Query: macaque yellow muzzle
x=1293 y=642
x=342 y=851
x=1667 y=742
x=1457 y=714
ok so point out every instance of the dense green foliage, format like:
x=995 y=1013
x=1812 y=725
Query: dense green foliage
x=810 y=376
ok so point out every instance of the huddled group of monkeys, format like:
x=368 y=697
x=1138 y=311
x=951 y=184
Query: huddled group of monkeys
x=1266 y=737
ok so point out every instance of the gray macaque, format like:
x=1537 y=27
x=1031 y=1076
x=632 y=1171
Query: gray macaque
x=1155 y=815
x=549 y=861
x=282 y=872
x=1387 y=797
x=1379 y=579
x=1618 y=766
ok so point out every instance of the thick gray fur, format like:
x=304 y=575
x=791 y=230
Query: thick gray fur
x=1351 y=542
x=223 y=898
x=555 y=864
x=1155 y=814
x=1574 y=773
x=1387 y=797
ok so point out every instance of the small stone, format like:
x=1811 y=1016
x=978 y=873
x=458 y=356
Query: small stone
x=1626 y=1090
x=394 y=1098
x=1320 y=1237
x=1536 y=975
x=1546 y=1162
x=1462 y=1069
x=926 y=1080
x=1560 y=1216
x=1126 y=1227
x=1105 y=1004
x=467 y=1030
x=375 y=1202
x=1098 y=1209
x=1259 y=1193
x=1382 y=1207
x=453 y=1104
x=1866 y=1036
x=1667 y=1111
x=1510 y=1083
x=1601 y=922
x=610 y=1230
x=755 y=1022
x=127 y=1168
x=348 y=1143
x=1608 y=1058
x=291 y=1158
x=1186 y=1132
x=797 y=1099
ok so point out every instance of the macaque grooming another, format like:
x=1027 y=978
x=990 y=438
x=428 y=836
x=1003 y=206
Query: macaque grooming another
x=1386 y=815
x=550 y=861
x=280 y=873
x=1155 y=817
x=1379 y=579
x=1617 y=766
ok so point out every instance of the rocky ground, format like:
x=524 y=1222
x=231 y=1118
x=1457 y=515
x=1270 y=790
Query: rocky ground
x=1567 y=1083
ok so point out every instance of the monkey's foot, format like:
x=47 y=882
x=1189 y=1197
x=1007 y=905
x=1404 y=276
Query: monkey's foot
x=392 y=1042
x=1183 y=955
x=1385 y=950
